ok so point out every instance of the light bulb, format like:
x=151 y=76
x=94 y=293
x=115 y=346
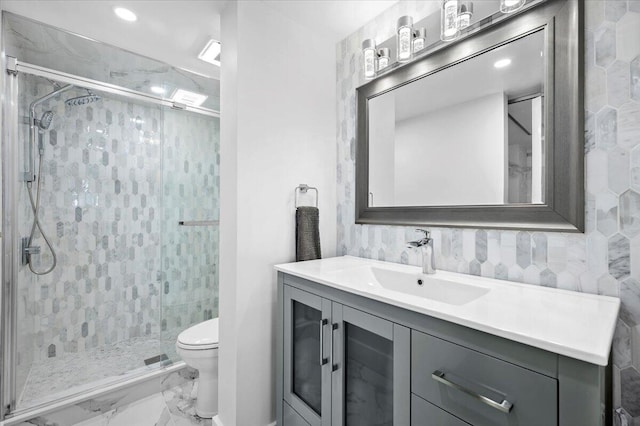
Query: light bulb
x=509 y=6
x=449 y=20
x=369 y=54
x=404 y=36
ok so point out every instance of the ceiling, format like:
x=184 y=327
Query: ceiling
x=175 y=31
x=335 y=18
x=171 y=31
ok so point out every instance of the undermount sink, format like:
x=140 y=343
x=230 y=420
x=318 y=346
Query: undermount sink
x=415 y=284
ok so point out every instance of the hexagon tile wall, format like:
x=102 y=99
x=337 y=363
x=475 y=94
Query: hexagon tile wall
x=604 y=260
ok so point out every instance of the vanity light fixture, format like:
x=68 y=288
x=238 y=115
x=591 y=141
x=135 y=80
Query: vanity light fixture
x=510 y=6
x=419 y=39
x=125 y=14
x=186 y=97
x=384 y=58
x=158 y=90
x=211 y=52
x=464 y=14
x=404 y=35
x=449 y=20
x=369 y=53
x=502 y=63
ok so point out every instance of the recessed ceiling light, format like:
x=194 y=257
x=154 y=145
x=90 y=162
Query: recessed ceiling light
x=502 y=63
x=158 y=90
x=182 y=96
x=211 y=52
x=125 y=14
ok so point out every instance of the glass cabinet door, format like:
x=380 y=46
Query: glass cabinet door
x=306 y=356
x=371 y=370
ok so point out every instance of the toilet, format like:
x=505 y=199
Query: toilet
x=198 y=348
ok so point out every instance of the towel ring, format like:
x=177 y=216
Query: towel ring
x=303 y=188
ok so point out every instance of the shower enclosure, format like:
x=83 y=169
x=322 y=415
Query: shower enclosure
x=109 y=230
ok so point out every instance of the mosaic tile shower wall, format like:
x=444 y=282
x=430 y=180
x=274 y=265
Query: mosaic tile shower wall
x=604 y=260
x=117 y=177
x=101 y=190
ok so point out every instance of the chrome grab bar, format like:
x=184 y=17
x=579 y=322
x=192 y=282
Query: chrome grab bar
x=323 y=360
x=504 y=406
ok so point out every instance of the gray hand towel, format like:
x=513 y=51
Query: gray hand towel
x=307 y=233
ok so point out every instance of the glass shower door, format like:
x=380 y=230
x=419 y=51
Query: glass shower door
x=190 y=223
x=95 y=317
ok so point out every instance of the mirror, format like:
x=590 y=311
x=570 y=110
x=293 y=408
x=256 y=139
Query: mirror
x=478 y=140
x=486 y=132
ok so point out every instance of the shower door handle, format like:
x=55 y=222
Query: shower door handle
x=198 y=222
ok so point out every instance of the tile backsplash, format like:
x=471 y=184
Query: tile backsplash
x=603 y=260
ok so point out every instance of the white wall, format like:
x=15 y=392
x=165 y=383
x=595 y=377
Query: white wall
x=455 y=155
x=277 y=130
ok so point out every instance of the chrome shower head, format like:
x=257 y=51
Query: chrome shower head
x=45 y=120
x=82 y=100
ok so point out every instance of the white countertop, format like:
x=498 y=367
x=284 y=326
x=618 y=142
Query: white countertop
x=576 y=325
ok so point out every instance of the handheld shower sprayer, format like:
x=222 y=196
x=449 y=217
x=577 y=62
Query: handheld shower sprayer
x=43 y=124
x=45 y=121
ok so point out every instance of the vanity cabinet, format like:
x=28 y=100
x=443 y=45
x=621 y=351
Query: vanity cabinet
x=308 y=377
x=346 y=359
x=342 y=366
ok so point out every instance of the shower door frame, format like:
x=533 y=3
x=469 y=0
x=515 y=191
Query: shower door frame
x=10 y=184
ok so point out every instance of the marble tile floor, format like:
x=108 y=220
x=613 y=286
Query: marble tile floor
x=172 y=407
x=73 y=373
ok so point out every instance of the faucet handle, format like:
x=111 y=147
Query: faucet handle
x=427 y=233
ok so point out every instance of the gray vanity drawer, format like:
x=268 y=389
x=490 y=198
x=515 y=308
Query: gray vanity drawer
x=464 y=372
x=290 y=417
x=424 y=413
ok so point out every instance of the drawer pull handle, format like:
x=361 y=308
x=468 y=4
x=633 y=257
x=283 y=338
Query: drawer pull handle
x=504 y=406
x=323 y=360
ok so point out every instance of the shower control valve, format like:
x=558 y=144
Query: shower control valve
x=27 y=251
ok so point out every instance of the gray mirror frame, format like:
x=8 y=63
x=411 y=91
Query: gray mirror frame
x=563 y=23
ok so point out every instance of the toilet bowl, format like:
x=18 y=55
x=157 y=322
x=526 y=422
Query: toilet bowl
x=198 y=348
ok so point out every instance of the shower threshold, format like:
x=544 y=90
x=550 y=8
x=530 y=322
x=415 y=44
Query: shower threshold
x=61 y=377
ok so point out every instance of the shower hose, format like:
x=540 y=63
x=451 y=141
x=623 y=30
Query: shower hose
x=35 y=207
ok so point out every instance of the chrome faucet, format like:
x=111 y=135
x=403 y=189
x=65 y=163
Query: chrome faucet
x=426 y=246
